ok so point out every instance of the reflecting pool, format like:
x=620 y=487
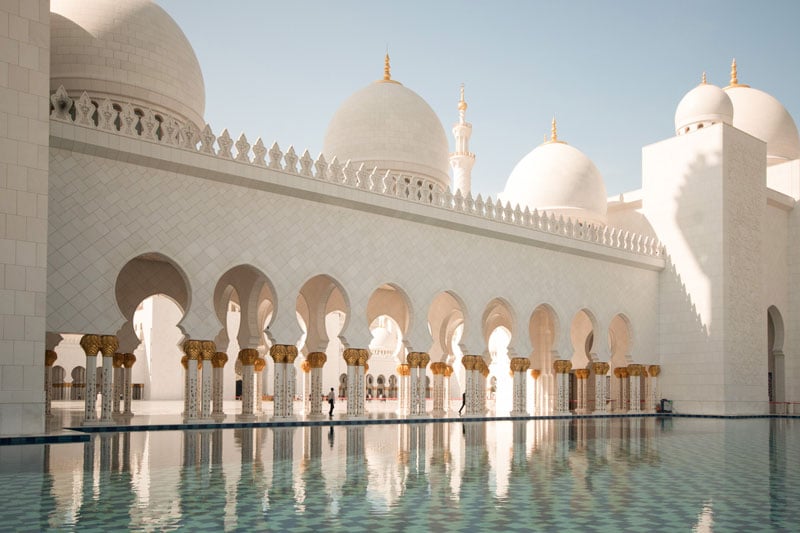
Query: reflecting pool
x=639 y=474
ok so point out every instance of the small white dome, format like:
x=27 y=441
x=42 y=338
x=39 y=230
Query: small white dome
x=128 y=51
x=763 y=116
x=560 y=179
x=391 y=127
x=704 y=105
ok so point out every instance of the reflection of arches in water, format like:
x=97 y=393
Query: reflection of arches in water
x=78 y=389
x=392 y=386
x=343 y=386
x=381 y=387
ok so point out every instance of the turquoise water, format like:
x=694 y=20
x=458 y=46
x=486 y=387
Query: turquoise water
x=626 y=474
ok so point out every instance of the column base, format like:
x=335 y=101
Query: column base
x=246 y=417
x=438 y=412
x=518 y=413
x=96 y=423
x=218 y=417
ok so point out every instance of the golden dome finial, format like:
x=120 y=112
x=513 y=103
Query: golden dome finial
x=462 y=104
x=704 y=79
x=553 y=132
x=735 y=76
x=387 y=68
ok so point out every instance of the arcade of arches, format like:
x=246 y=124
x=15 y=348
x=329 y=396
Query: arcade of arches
x=153 y=293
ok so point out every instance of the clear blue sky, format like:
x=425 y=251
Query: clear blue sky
x=611 y=72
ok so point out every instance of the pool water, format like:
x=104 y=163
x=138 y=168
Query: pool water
x=629 y=474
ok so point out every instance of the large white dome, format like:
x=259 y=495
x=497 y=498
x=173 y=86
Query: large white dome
x=560 y=179
x=763 y=116
x=389 y=126
x=704 y=105
x=128 y=51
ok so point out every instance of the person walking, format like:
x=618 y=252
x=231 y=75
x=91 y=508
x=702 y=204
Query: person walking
x=463 y=401
x=331 y=399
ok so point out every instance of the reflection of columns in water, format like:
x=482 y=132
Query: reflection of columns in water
x=562 y=429
x=108 y=345
x=475 y=478
x=634 y=387
x=403 y=396
x=417 y=449
x=281 y=492
x=354 y=489
x=50 y=357
x=91 y=346
x=520 y=438
x=519 y=367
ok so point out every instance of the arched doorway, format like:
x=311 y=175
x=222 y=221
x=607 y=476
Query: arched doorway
x=776 y=380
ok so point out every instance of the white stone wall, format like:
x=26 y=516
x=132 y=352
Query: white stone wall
x=208 y=215
x=24 y=82
x=704 y=194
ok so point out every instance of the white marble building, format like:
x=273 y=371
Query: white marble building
x=547 y=298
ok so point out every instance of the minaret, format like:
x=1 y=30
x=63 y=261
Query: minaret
x=462 y=160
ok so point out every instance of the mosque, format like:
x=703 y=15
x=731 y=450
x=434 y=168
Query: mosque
x=145 y=254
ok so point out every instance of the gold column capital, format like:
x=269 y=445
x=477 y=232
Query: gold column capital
x=363 y=357
x=351 y=356
x=448 y=371
x=654 y=370
x=50 y=357
x=207 y=350
x=582 y=373
x=418 y=359
x=403 y=369
x=316 y=359
x=535 y=373
x=248 y=356
x=260 y=364
x=562 y=366
x=90 y=344
x=219 y=359
x=118 y=360
x=305 y=366
x=128 y=359
x=635 y=370
x=185 y=362
x=520 y=364
x=108 y=345
x=599 y=368
x=283 y=353
x=192 y=349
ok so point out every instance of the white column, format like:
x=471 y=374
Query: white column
x=361 y=390
x=207 y=351
x=316 y=361
x=438 y=370
x=116 y=363
x=562 y=368
x=634 y=384
x=403 y=389
x=193 y=351
x=185 y=365
x=351 y=357
x=108 y=345
x=654 y=371
x=600 y=393
x=519 y=367
x=217 y=385
x=127 y=389
x=50 y=357
x=248 y=358
x=258 y=385
x=536 y=408
x=448 y=391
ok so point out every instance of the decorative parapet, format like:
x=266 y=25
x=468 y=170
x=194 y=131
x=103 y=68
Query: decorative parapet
x=125 y=119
